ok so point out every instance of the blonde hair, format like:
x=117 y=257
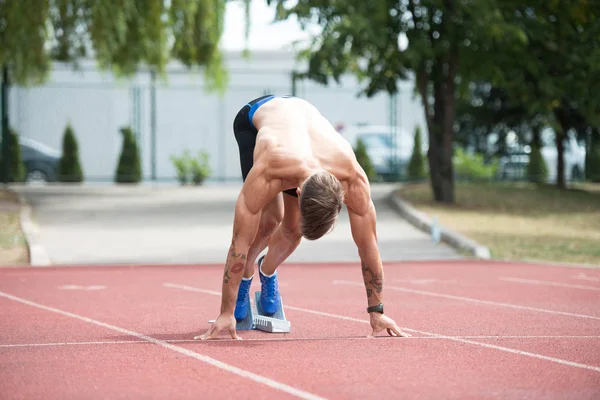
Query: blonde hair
x=321 y=199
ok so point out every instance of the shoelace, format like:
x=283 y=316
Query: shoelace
x=269 y=286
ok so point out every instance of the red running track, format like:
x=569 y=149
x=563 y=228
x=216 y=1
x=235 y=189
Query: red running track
x=481 y=330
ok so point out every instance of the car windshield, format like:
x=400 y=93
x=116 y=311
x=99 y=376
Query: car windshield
x=38 y=146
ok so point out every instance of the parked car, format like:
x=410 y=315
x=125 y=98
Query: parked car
x=41 y=161
x=514 y=165
x=379 y=141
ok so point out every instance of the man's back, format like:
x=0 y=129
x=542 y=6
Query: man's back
x=293 y=132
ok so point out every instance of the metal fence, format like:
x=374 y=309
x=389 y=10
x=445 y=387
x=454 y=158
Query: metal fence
x=171 y=117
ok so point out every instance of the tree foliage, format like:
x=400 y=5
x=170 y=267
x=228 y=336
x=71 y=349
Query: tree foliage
x=557 y=75
x=121 y=35
x=69 y=166
x=416 y=164
x=17 y=171
x=362 y=156
x=129 y=168
x=449 y=43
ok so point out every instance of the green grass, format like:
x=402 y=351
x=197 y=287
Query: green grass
x=521 y=221
x=13 y=248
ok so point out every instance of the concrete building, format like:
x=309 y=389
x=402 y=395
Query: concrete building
x=186 y=116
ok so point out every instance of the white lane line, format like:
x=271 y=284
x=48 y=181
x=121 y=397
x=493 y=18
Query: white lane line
x=70 y=343
x=456 y=339
x=582 y=276
x=296 y=339
x=191 y=288
x=461 y=340
x=471 y=300
x=208 y=360
x=547 y=283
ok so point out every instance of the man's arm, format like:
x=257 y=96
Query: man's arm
x=364 y=232
x=363 y=224
x=245 y=226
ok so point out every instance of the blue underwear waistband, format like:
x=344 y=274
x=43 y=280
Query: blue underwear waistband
x=259 y=103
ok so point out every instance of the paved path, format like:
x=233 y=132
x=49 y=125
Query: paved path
x=167 y=224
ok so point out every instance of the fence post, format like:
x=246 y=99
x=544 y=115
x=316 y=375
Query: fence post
x=5 y=168
x=153 y=125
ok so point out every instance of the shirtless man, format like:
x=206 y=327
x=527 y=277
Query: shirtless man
x=297 y=172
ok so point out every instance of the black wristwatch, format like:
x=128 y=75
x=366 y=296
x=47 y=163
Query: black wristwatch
x=378 y=308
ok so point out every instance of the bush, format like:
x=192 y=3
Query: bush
x=17 y=168
x=473 y=167
x=182 y=166
x=592 y=162
x=69 y=167
x=129 y=169
x=190 y=169
x=537 y=170
x=200 y=168
x=416 y=165
x=363 y=159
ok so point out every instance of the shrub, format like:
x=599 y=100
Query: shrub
x=537 y=170
x=200 y=168
x=190 y=169
x=473 y=166
x=363 y=159
x=416 y=165
x=129 y=169
x=17 y=172
x=592 y=161
x=69 y=167
x=182 y=166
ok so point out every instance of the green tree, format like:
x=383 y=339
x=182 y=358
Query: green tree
x=69 y=166
x=416 y=165
x=17 y=172
x=129 y=169
x=558 y=73
x=121 y=35
x=362 y=156
x=537 y=170
x=447 y=40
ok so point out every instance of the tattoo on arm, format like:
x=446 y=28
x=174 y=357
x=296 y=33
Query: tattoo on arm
x=235 y=263
x=373 y=281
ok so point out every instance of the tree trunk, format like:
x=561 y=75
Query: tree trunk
x=560 y=161
x=440 y=122
x=560 y=114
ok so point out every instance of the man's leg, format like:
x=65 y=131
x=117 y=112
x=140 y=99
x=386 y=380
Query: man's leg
x=271 y=218
x=282 y=244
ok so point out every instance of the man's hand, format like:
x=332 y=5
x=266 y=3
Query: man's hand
x=224 y=322
x=380 y=322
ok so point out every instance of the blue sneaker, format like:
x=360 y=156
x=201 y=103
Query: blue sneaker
x=242 y=304
x=269 y=295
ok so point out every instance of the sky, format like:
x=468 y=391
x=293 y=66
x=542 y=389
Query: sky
x=264 y=33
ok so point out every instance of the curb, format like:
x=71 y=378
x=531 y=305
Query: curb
x=421 y=221
x=37 y=254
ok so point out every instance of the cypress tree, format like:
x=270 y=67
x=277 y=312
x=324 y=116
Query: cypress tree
x=129 y=169
x=69 y=166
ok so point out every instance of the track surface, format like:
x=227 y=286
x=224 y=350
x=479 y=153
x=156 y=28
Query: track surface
x=481 y=330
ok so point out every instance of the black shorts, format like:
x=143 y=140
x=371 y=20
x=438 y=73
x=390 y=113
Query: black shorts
x=245 y=135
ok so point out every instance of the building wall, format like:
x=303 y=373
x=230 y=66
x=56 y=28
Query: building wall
x=187 y=116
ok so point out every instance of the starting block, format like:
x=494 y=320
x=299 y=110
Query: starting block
x=256 y=319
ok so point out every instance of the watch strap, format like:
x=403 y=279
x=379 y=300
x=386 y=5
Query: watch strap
x=378 y=308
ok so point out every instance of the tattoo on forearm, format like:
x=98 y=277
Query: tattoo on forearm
x=373 y=281
x=226 y=277
x=234 y=265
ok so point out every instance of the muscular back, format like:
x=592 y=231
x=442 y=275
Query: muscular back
x=294 y=138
